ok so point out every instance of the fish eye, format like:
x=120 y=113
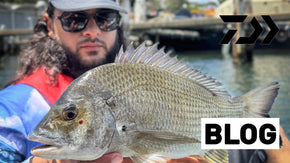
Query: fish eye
x=70 y=113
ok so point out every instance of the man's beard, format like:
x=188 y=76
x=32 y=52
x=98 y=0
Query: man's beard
x=77 y=66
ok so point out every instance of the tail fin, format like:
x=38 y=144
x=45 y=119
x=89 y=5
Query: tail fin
x=260 y=100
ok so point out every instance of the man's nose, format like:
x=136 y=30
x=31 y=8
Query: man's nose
x=92 y=29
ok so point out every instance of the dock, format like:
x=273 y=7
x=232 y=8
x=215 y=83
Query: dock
x=168 y=24
x=198 y=28
x=198 y=23
x=16 y=32
x=16 y=23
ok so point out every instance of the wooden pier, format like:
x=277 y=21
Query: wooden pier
x=197 y=23
x=13 y=46
x=16 y=32
x=179 y=28
x=168 y=24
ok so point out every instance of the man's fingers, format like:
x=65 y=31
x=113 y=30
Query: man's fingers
x=113 y=157
x=190 y=159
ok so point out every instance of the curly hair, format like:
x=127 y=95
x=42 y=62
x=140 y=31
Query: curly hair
x=41 y=50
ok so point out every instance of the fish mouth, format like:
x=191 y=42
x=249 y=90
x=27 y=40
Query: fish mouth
x=44 y=149
x=50 y=145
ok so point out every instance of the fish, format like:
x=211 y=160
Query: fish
x=146 y=105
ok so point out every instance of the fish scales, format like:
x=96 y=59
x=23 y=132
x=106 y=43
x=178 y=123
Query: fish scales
x=155 y=97
x=146 y=106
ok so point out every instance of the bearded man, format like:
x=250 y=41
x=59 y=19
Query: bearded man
x=71 y=38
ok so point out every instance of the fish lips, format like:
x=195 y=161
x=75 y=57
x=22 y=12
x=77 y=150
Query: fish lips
x=43 y=150
x=49 y=148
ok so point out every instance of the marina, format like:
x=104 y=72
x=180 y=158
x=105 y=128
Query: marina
x=175 y=31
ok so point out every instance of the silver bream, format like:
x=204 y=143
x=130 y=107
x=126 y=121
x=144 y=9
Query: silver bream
x=146 y=106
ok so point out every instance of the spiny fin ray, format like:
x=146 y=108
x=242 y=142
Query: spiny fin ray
x=158 y=58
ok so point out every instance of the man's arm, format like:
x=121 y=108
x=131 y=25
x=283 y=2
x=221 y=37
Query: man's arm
x=8 y=154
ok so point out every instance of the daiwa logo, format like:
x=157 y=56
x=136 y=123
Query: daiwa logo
x=257 y=29
x=240 y=133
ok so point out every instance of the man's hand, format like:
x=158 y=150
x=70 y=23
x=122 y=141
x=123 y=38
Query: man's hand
x=280 y=155
x=190 y=159
x=108 y=158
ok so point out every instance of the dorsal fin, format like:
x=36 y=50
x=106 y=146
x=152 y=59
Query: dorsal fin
x=158 y=58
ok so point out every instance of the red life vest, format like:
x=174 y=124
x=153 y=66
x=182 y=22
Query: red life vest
x=40 y=81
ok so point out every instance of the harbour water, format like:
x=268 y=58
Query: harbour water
x=237 y=79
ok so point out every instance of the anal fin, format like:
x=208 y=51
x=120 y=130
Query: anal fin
x=217 y=156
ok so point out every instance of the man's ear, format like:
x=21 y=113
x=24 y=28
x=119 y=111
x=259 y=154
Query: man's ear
x=48 y=24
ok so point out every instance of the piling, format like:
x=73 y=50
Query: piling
x=1 y=45
x=242 y=53
x=140 y=11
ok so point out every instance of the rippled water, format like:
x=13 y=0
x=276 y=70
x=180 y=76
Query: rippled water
x=8 y=66
x=266 y=67
x=238 y=80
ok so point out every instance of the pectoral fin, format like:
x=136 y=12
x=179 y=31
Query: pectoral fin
x=163 y=146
